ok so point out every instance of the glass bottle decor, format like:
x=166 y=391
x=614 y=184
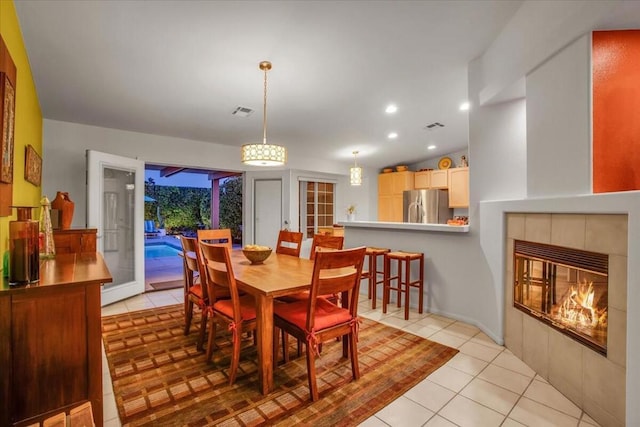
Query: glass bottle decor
x=47 y=245
x=24 y=259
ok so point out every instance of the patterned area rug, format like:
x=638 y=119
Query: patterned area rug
x=160 y=379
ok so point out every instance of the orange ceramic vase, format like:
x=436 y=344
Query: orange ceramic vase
x=65 y=206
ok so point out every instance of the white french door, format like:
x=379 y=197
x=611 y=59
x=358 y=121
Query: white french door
x=115 y=203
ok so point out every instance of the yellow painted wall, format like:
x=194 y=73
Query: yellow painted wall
x=28 y=125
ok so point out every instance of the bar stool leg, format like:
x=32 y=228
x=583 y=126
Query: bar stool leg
x=399 y=298
x=373 y=279
x=421 y=285
x=407 y=288
x=386 y=283
x=369 y=277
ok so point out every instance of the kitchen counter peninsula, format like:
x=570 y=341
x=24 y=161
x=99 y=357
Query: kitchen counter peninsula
x=412 y=226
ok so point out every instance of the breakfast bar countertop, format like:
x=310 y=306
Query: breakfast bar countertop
x=444 y=228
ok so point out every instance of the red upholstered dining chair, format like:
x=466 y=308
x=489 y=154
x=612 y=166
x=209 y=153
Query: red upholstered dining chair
x=325 y=241
x=316 y=319
x=194 y=292
x=237 y=314
x=289 y=243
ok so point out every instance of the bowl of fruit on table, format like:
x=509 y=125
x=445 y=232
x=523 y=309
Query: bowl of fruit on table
x=256 y=254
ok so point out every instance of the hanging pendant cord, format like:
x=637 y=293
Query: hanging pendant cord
x=264 y=117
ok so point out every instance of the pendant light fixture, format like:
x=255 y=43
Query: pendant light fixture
x=264 y=154
x=356 y=171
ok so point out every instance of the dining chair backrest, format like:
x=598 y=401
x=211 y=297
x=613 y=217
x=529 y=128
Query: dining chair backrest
x=220 y=236
x=192 y=261
x=325 y=241
x=190 y=251
x=216 y=261
x=289 y=243
x=336 y=272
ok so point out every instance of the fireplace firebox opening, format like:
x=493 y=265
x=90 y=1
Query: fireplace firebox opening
x=565 y=288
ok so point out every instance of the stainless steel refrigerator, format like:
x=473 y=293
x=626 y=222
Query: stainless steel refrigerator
x=426 y=206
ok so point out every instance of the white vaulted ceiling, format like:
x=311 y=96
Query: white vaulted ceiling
x=180 y=68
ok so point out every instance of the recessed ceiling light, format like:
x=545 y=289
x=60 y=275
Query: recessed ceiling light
x=391 y=108
x=465 y=106
x=431 y=147
x=392 y=135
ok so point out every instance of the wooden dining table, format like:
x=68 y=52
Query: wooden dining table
x=277 y=276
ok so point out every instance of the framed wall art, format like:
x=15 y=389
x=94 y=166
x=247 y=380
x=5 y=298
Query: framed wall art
x=6 y=128
x=32 y=166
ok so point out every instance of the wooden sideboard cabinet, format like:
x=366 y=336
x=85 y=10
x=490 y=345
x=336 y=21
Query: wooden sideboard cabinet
x=50 y=336
x=75 y=240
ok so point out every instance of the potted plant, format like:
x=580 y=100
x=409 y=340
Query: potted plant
x=351 y=213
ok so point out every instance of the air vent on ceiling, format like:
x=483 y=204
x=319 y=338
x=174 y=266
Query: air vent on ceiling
x=242 y=112
x=434 y=126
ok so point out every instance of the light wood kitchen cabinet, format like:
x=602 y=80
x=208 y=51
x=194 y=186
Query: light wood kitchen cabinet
x=390 y=188
x=422 y=180
x=458 y=187
x=431 y=179
x=439 y=179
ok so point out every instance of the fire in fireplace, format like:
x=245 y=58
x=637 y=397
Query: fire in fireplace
x=565 y=288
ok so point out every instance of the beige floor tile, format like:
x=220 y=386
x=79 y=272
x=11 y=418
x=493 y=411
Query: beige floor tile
x=434 y=321
x=587 y=419
x=430 y=395
x=115 y=308
x=461 y=330
x=373 y=422
x=531 y=413
x=549 y=396
x=511 y=423
x=396 y=322
x=511 y=362
x=465 y=412
x=375 y=315
x=450 y=378
x=139 y=304
x=404 y=412
x=479 y=351
x=421 y=330
x=542 y=380
x=438 y=421
x=467 y=325
x=490 y=395
x=114 y=422
x=447 y=339
x=505 y=378
x=163 y=301
x=484 y=339
x=465 y=363
x=109 y=408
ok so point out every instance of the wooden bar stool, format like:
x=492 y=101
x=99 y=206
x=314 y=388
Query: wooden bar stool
x=402 y=286
x=372 y=274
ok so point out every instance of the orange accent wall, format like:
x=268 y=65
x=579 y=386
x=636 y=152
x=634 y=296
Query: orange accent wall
x=616 y=110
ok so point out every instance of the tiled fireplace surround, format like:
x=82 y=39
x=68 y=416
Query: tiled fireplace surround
x=593 y=382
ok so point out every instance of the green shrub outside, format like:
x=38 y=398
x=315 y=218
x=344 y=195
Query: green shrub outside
x=183 y=210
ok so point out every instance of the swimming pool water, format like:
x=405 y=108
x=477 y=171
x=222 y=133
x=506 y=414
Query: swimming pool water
x=159 y=251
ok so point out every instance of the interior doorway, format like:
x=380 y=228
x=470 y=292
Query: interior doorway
x=179 y=201
x=268 y=211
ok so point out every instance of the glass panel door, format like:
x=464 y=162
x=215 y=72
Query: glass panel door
x=115 y=202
